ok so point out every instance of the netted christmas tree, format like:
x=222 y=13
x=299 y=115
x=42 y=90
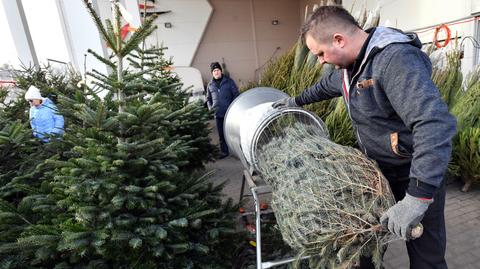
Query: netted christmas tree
x=327 y=198
x=127 y=190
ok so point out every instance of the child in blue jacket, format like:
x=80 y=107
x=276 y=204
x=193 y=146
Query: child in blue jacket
x=44 y=117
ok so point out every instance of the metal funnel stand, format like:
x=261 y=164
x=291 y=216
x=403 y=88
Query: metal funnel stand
x=246 y=119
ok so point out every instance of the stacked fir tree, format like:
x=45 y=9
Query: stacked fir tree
x=22 y=158
x=124 y=191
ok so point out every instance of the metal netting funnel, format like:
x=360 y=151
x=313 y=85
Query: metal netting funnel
x=235 y=116
x=277 y=125
x=251 y=121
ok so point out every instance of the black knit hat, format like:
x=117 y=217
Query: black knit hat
x=215 y=65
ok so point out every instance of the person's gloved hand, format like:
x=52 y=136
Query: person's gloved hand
x=285 y=102
x=405 y=215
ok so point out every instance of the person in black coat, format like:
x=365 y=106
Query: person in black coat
x=221 y=91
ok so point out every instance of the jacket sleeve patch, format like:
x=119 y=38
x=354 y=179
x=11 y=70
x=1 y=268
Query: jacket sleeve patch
x=394 y=146
x=365 y=83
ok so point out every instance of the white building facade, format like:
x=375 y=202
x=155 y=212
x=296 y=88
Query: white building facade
x=243 y=34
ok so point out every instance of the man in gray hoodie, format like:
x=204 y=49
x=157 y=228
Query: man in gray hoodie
x=398 y=116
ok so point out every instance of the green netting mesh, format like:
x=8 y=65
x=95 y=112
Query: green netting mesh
x=327 y=198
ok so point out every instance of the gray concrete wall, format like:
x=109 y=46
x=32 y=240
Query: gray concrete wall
x=242 y=34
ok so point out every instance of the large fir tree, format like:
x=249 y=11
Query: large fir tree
x=125 y=189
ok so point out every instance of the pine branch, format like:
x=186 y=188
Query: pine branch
x=138 y=36
x=140 y=87
x=102 y=59
x=110 y=29
x=135 y=75
x=98 y=23
x=202 y=214
x=135 y=96
x=102 y=86
x=102 y=78
x=117 y=17
x=7 y=207
x=29 y=190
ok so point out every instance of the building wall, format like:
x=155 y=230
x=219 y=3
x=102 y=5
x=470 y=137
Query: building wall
x=188 y=20
x=241 y=34
x=423 y=16
x=84 y=35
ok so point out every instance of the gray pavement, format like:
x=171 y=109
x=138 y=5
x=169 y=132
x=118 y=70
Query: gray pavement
x=462 y=212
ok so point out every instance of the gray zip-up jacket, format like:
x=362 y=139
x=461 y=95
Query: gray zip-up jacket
x=396 y=110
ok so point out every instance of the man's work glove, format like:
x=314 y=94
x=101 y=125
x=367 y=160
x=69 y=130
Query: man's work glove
x=405 y=215
x=285 y=102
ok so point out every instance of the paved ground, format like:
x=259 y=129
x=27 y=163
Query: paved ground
x=462 y=212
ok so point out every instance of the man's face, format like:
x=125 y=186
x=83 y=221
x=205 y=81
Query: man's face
x=329 y=52
x=217 y=73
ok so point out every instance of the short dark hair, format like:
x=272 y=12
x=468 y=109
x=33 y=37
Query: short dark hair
x=325 y=20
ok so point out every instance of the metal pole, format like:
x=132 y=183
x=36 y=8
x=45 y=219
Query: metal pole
x=241 y=189
x=66 y=33
x=257 y=228
x=266 y=265
x=254 y=34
